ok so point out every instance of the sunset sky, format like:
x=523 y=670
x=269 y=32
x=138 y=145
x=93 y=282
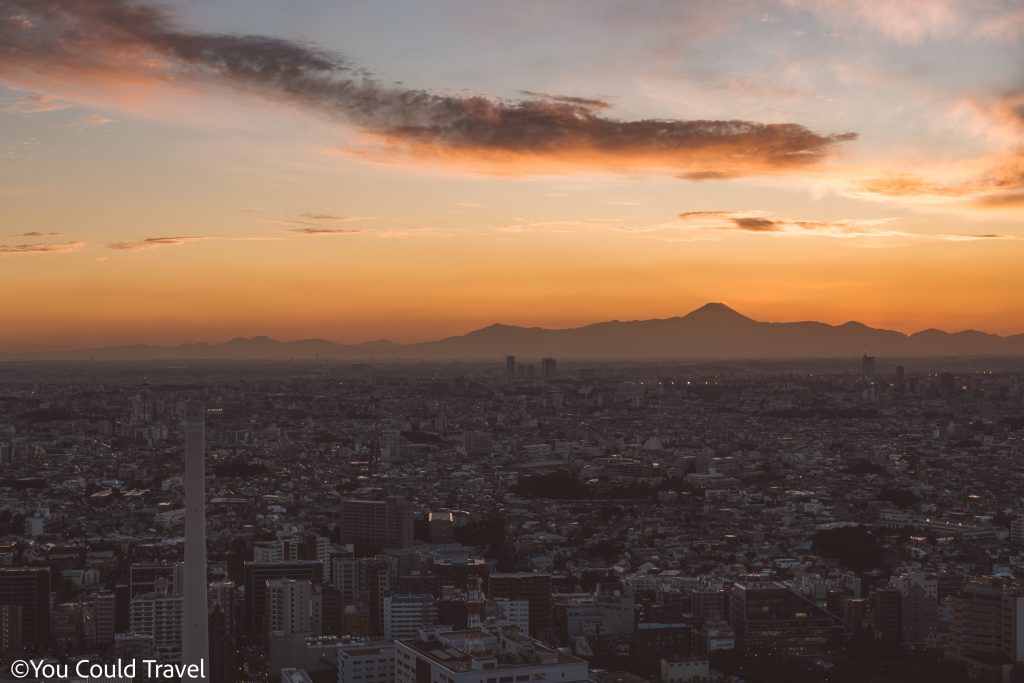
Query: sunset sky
x=204 y=169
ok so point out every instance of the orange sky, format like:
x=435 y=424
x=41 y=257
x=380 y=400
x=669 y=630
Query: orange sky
x=150 y=192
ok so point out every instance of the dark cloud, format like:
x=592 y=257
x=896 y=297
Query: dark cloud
x=587 y=102
x=756 y=224
x=129 y=40
x=153 y=243
x=36 y=233
x=53 y=248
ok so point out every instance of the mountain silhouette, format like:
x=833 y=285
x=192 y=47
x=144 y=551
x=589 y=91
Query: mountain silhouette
x=713 y=331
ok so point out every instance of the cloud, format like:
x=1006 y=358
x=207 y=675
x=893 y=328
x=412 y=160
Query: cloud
x=36 y=233
x=152 y=243
x=990 y=180
x=753 y=224
x=760 y=222
x=35 y=103
x=324 y=231
x=326 y=217
x=52 y=248
x=914 y=22
x=96 y=120
x=120 y=39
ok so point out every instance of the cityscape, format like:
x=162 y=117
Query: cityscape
x=834 y=520
x=512 y=341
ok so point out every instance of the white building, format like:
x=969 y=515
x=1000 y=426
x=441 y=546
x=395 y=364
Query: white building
x=159 y=615
x=405 y=615
x=684 y=670
x=366 y=663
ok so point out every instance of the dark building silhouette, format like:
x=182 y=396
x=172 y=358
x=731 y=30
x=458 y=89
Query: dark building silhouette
x=767 y=617
x=29 y=590
x=373 y=525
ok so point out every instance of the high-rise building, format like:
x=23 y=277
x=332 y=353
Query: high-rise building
x=373 y=525
x=548 y=368
x=510 y=369
x=535 y=589
x=196 y=615
x=11 y=645
x=255 y=579
x=102 y=621
x=919 y=608
x=29 y=589
x=867 y=367
x=947 y=383
x=987 y=628
x=292 y=614
x=392 y=446
x=160 y=615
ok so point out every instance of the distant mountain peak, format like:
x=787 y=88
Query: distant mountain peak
x=716 y=311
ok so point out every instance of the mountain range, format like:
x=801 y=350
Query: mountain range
x=713 y=331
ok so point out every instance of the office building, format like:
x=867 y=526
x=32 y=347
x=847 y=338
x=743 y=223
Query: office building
x=768 y=617
x=256 y=575
x=28 y=589
x=373 y=525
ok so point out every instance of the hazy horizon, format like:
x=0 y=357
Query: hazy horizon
x=201 y=171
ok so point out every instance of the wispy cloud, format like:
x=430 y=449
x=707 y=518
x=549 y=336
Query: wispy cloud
x=763 y=223
x=96 y=120
x=36 y=233
x=542 y=133
x=315 y=230
x=153 y=243
x=326 y=217
x=916 y=21
x=51 y=248
x=36 y=103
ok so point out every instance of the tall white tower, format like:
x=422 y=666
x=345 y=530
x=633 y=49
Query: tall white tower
x=195 y=627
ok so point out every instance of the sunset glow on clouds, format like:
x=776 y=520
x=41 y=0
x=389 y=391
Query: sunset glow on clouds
x=532 y=167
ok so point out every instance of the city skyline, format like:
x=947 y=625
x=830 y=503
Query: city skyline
x=192 y=171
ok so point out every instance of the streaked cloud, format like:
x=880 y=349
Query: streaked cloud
x=327 y=217
x=315 y=230
x=36 y=233
x=542 y=134
x=50 y=248
x=153 y=243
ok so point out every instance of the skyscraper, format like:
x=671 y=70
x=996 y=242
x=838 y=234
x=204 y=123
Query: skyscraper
x=195 y=626
x=510 y=369
x=548 y=368
x=867 y=366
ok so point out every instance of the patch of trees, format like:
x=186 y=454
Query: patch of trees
x=855 y=547
x=901 y=498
